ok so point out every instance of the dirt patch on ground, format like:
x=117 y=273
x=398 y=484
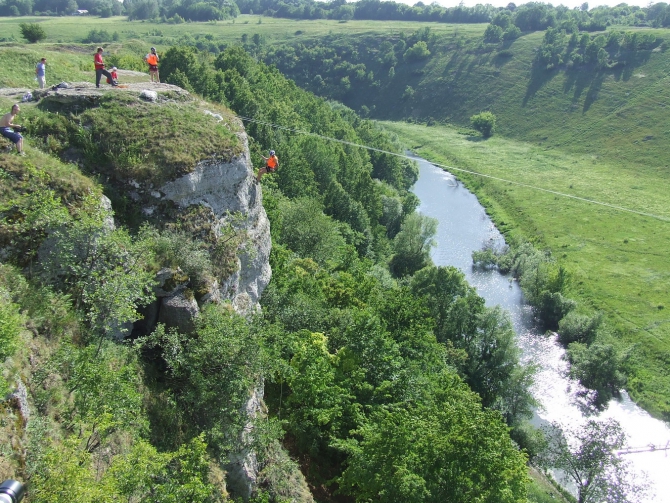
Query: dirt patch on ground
x=13 y=92
x=131 y=73
x=78 y=49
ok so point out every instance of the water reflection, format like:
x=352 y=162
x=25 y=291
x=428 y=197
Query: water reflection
x=464 y=227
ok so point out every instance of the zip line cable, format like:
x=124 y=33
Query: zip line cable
x=453 y=168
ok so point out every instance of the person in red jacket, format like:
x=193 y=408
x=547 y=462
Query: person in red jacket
x=100 y=69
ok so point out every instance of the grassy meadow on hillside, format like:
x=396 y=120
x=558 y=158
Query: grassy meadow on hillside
x=73 y=29
x=618 y=260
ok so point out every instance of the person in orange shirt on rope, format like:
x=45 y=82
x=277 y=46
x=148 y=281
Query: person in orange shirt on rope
x=152 y=60
x=271 y=165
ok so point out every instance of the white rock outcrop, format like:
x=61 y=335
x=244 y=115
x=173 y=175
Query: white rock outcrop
x=229 y=188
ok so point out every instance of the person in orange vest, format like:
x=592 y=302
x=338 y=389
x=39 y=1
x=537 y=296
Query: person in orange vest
x=100 y=68
x=152 y=60
x=271 y=165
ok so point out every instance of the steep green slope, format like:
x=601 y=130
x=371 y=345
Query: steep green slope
x=612 y=112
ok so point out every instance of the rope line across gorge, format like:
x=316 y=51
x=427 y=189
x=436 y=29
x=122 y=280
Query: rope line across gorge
x=454 y=168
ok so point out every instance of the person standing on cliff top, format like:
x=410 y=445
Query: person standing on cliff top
x=152 y=60
x=7 y=129
x=271 y=165
x=100 y=69
x=40 y=72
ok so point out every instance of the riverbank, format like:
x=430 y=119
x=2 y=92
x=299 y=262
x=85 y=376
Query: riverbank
x=617 y=260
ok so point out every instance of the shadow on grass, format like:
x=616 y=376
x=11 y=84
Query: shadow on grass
x=476 y=139
x=582 y=77
x=539 y=77
x=576 y=80
x=628 y=63
x=502 y=58
x=593 y=91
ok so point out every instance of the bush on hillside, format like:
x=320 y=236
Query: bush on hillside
x=417 y=52
x=485 y=123
x=97 y=37
x=493 y=33
x=32 y=32
x=512 y=33
x=10 y=324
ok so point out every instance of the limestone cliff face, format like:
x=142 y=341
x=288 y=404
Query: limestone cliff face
x=223 y=184
x=229 y=188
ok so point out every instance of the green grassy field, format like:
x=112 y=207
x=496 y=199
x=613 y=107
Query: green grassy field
x=69 y=29
x=619 y=260
x=70 y=59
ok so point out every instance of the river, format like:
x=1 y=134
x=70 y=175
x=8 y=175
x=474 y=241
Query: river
x=463 y=227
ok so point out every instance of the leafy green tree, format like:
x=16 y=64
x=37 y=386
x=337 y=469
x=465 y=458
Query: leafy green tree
x=443 y=447
x=493 y=33
x=65 y=474
x=392 y=215
x=104 y=269
x=104 y=389
x=145 y=475
x=511 y=33
x=313 y=398
x=491 y=366
x=412 y=244
x=590 y=460
x=485 y=123
x=417 y=52
x=32 y=32
x=307 y=231
x=212 y=374
x=36 y=213
x=552 y=307
x=575 y=327
x=492 y=354
x=598 y=368
x=141 y=9
x=502 y=19
x=454 y=305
